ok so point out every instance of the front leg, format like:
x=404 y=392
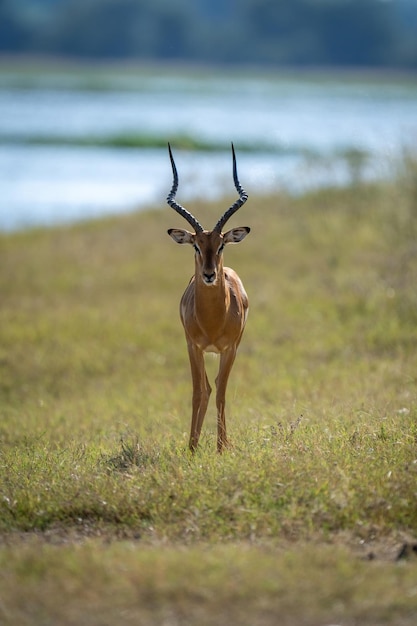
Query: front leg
x=201 y=393
x=226 y=362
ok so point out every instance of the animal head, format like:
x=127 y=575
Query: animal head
x=208 y=244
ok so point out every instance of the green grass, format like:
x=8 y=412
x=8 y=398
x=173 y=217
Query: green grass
x=104 y=514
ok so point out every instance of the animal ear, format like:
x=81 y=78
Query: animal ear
x=235 y=235
x=181 y=236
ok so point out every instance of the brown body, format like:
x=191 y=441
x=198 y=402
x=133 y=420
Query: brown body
x=213 y=310
x=215 y=319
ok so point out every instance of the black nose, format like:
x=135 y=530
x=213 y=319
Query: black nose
x=209 y=277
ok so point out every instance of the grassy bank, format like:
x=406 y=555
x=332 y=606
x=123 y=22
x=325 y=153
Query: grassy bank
x=138 y=140
x=102 y=506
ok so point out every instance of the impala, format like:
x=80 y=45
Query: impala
x=213 y=308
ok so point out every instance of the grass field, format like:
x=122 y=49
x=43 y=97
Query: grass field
x=106 y=518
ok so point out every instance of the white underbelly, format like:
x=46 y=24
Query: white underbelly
x=212 y=348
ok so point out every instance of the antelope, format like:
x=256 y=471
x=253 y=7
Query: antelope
x=213 y=308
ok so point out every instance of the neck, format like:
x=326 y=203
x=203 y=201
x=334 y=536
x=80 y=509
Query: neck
x=210 y=300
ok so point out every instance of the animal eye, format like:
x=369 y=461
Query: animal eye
x=220 y=250
x=197 y=249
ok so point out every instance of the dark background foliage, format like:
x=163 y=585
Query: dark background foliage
x=351 y=33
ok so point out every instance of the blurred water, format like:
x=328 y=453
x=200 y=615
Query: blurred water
x=51 y=184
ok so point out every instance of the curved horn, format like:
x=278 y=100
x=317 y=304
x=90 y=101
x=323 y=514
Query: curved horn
x=243 y=196
x=171 y=198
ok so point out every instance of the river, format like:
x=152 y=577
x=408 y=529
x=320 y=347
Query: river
x=298 y=131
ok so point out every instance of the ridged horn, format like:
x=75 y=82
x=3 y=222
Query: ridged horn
x=243 y=196
x=171 y=198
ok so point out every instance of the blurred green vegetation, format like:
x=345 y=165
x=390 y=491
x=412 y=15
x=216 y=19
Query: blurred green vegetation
x=99 y=584
x=347 y=33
